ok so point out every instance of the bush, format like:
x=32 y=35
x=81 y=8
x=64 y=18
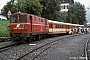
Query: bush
x=4 y=28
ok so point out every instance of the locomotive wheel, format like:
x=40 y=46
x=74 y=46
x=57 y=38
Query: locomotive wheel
x=24 y=40
x=34 y=38
x=38 y=37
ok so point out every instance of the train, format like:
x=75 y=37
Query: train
x=25 y=27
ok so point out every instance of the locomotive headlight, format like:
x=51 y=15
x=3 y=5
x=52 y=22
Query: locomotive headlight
x=10 y=29
x=25 y=29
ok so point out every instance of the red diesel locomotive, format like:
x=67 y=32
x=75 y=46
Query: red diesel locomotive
x=24 y=27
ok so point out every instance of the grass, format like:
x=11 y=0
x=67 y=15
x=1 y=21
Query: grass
x=4 y=28
x=3 y=44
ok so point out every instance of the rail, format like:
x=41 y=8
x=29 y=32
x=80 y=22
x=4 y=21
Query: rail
x=86 y=53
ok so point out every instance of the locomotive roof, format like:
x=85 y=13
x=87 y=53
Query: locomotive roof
x=20 y=13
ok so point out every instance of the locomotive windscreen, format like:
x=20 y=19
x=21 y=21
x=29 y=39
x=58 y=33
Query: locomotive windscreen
x=18 y=19
x=23 y=18
x=13 y=19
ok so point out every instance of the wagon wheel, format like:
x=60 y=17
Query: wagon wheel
x=44 y=36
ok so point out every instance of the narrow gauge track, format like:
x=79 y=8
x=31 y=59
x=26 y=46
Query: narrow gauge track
x=40 y=49
x=8 y=47
x=3 y=39
x=86 y=49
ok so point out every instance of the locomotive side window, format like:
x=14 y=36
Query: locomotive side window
x=34 y=18
x=38 y=19
x=23 y=19
x=13 y=19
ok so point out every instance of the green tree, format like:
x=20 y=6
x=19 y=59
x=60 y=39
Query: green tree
x=64 y=17
x=51 y=9
x=25 y=6
x=8 y=7
x=30 y=6
x=79 y=11
x=73 y=19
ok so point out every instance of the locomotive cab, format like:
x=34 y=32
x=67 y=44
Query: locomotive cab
x=27 y=26
x=20 y=26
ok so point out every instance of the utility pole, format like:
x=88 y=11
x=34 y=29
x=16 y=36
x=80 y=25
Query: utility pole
x=12 y=1
x=68 y=17
x=68 y=14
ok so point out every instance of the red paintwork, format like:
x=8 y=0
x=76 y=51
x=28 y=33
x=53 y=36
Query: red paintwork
x=20 y=29
x=37 y=27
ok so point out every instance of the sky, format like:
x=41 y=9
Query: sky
x=85 y=2
x=2 y=3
